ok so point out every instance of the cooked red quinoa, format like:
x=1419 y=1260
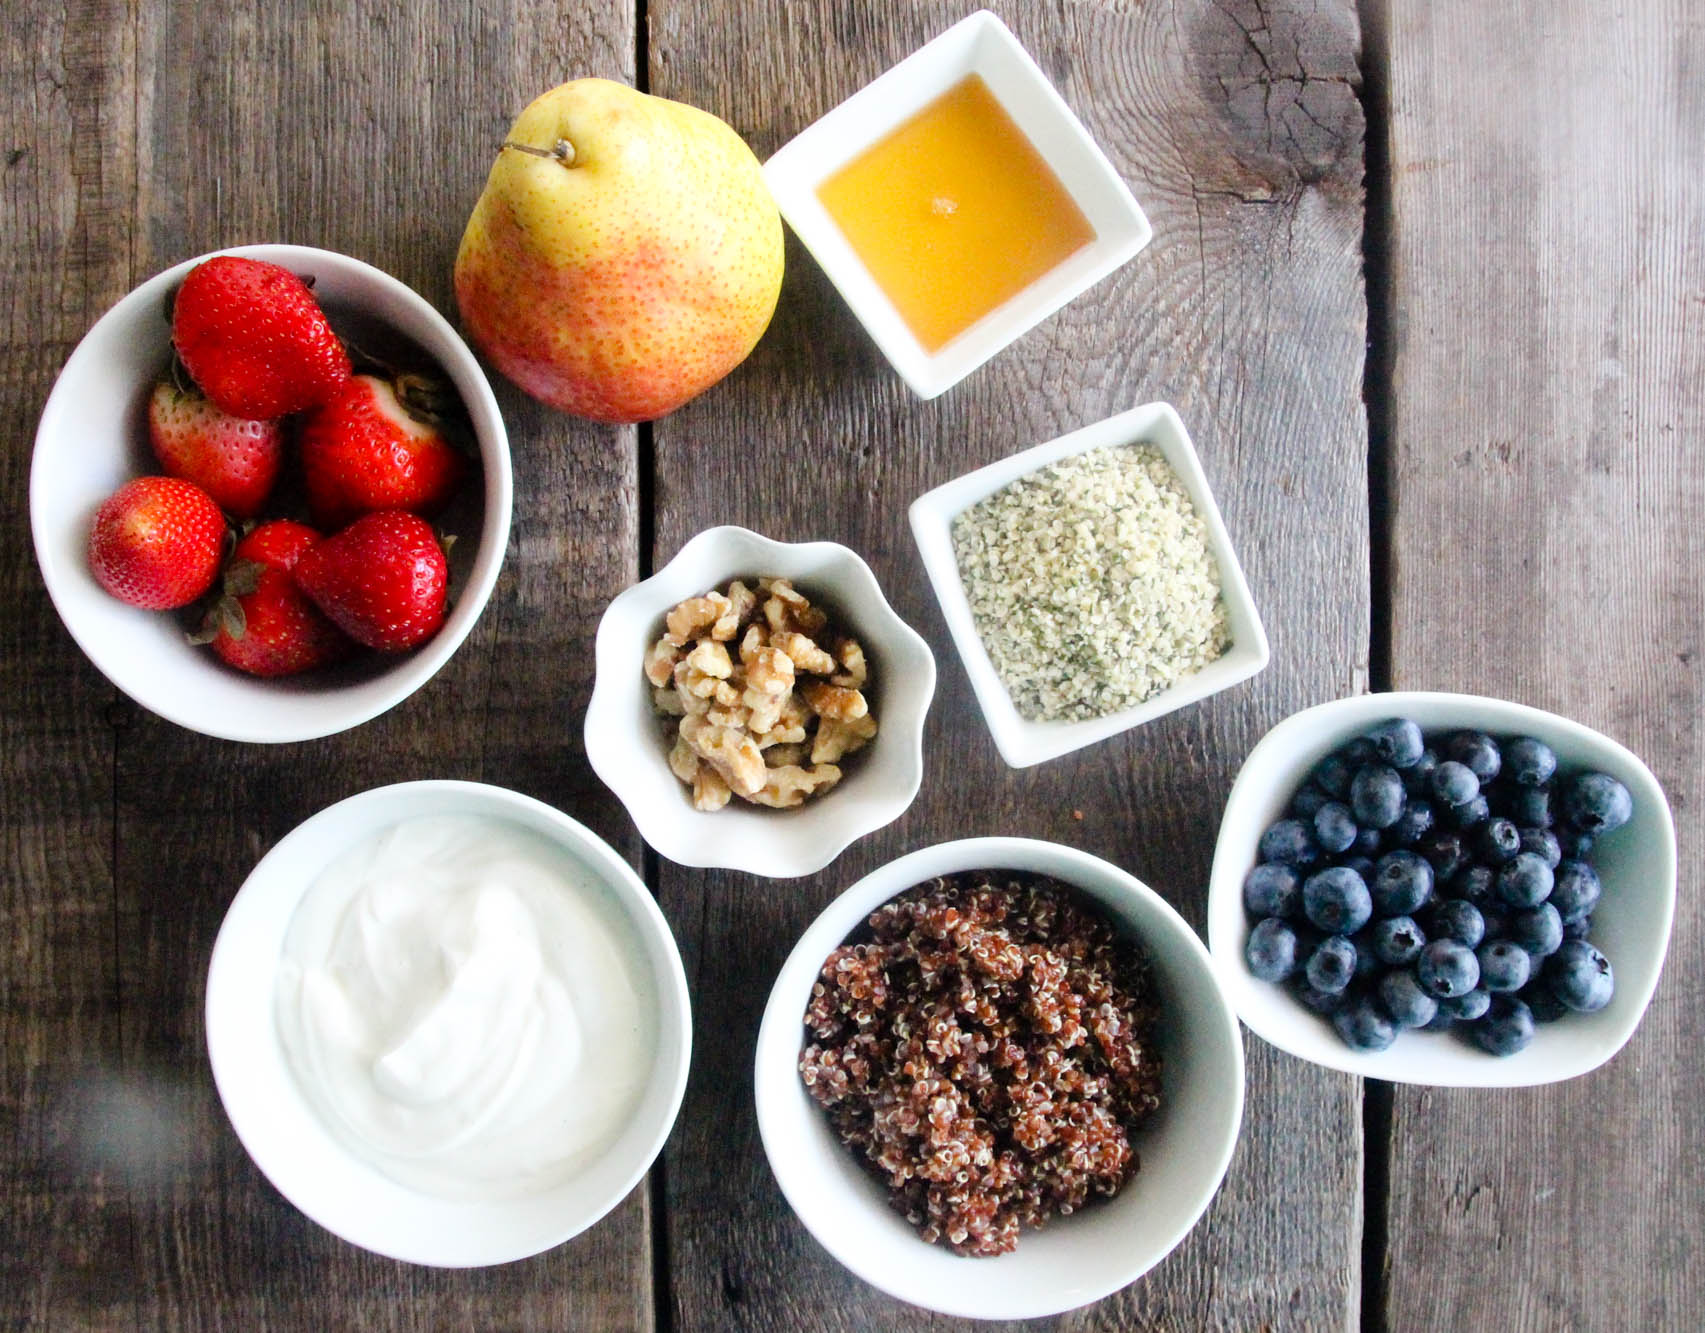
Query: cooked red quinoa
x=986 y=1046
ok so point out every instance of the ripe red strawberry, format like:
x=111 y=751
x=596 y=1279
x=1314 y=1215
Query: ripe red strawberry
x=233 y=459
x=156 y=542
x=382 y=579
x=263 y=624
x=377 y=445
x=254 y=338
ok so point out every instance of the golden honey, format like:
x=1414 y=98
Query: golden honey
x=954 y=212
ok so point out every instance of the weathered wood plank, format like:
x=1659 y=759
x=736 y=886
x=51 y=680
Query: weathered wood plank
x=1546 y=280
x=66 y=84
x=1239 y=129
x=365 y=129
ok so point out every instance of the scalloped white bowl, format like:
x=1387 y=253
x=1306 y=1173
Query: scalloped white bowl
x=625 y=745
x=287 y=1139
x=1637 y=865
x=93 y=437
x=1185 y=1148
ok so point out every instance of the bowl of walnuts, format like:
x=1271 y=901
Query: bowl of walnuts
x=758 y=704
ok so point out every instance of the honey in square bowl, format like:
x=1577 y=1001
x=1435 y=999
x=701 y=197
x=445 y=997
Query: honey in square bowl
x=956 y=202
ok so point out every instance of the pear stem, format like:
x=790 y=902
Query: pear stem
x=561 y=151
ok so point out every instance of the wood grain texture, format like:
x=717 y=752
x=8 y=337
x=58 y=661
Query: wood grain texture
x=1546 y=292
x=66 y=84
x=1238 y=128
x=159 y=132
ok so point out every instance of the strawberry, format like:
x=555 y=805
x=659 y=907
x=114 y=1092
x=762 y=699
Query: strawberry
x=156 y=542
x=233 y=459
x=254 y=338
x=377 y=444
x=382 y=579
x=263 y=624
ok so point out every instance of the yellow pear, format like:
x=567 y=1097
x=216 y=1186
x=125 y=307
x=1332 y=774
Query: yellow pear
x=624 y=256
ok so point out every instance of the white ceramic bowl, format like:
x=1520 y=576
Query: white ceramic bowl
x=1020 y=741
x=93 y=437
x=1632 y=924
x=290 y=1144
x=979 y=44
x=1184 y=1149
x=625 y=744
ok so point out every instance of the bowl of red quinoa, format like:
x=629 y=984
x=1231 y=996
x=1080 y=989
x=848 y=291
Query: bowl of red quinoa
x=1089 y=584
x=998 y=1078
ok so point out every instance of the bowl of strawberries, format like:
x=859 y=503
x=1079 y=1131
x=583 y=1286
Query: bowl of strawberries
x=270 y=493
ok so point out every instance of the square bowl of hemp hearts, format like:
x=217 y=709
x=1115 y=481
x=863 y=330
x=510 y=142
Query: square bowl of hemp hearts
x=1089 y=584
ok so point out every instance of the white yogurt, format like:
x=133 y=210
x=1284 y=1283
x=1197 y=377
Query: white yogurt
x=460 y=1003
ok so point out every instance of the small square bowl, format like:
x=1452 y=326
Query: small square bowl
x=625 y=743
x=980 y=44
x=1631 y=924
x=1020 y=741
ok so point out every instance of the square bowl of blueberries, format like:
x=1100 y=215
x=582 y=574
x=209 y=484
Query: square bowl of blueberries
x=1442 y=889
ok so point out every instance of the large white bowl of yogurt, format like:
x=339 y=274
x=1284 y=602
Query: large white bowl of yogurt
x=448 y=1022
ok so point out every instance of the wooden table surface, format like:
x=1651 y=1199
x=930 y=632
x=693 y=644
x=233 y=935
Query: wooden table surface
x=1426 y=285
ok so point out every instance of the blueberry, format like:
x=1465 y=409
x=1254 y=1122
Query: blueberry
x=1272 y=950
x=1454 y=783
x=1496 y=841
x=1332 y=775
x=1397 y=742
x=1309 y=798
x=1504 y=966
x=1334 y=827
x=1360 y=864
x=1442 y=1022
x=1418 y=777
x=1337 y=900
x=1580 y=976
x=1528 y=807
x=1538 y=930
x=1290 y=841
x=1443 y=850
x=1469 y=813
x=1538 y=996
x=1456 y=919
x=1402 y=882
x=1367 y=842
x=1524 y=881
x=1578 y=928
x=1473 y=884
x=1272 y=889
x=1597 y=803
x=1368 y=965
x=1529 y=763
x=1364 y=1027
x=1416 y=819
x=1542 y=842
x=1576 y=890
x=1468 y=1006
x=1496 y=920
x=1397 y=940
x=1408 y=1005
x=1447 y=968
x=1574 y=844
x=1321 y=1002
x=1477 y=752
x=1377 y=796
x=1331 y=966
x=1506 y=1028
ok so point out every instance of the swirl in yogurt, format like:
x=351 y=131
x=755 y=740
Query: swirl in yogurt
x=463 y=1005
